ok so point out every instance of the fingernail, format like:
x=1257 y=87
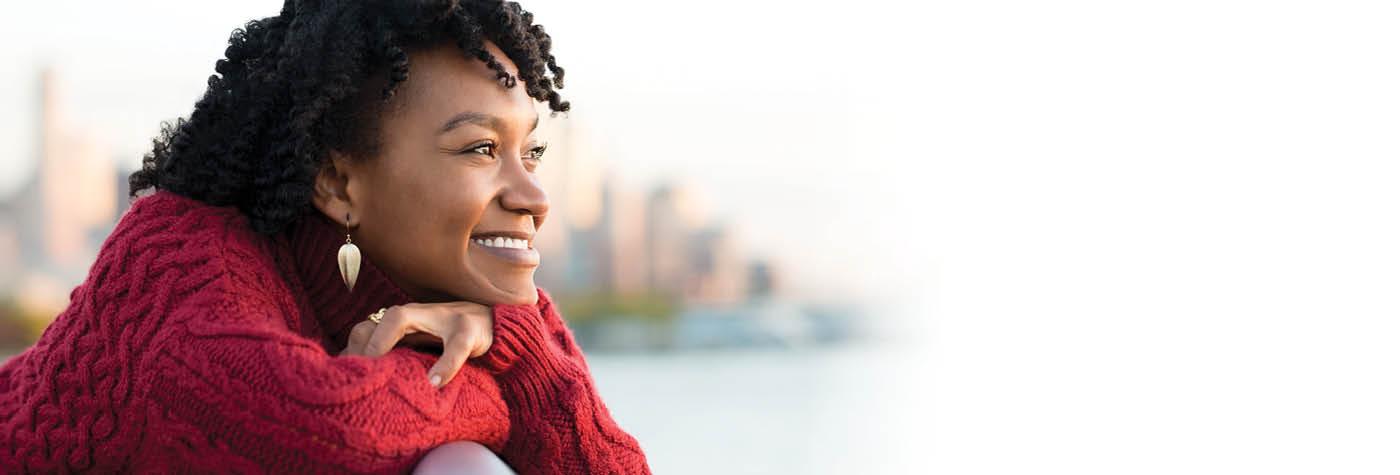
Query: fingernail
x=436 y=380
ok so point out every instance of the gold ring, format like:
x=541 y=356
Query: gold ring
x=377 y=316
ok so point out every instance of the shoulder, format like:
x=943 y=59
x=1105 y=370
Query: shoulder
x=168 y=208
x=188 y=252
x=165 y=223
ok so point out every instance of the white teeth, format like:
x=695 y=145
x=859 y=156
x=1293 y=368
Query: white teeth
x=505 y=242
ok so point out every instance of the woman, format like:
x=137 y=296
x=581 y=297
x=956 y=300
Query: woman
x=227 y=325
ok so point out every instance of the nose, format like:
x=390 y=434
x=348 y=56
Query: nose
x=522 y=193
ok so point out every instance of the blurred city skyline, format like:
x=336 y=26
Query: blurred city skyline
x=607 y=234
x=62 y=209
x=755 y=150
x=614 y=252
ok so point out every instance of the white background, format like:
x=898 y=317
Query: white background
x=1166 y=235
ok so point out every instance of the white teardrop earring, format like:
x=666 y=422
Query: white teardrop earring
x=349 y=258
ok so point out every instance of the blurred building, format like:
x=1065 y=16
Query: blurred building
x=604 y=236
x=673 y=216
x=571 y=175
x=718 y=272
x=623 y=233
x=763 y=279
x=58 y=218
x=10 y=254
x=74 y=179
x=552 y=238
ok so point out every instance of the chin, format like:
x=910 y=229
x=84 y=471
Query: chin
x=519 y=294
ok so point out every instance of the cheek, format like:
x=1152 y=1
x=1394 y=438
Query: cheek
x=430 y=205
x=459 y=203
x=452 y=212
x=458 y=224
x=425 y=211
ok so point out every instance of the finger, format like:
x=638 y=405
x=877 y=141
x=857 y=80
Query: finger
x=388 y=332
x=454 y=355
x=359 y=335
x=422 y=340
x=483 y=342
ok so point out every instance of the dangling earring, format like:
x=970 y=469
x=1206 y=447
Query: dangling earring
x=349 y=258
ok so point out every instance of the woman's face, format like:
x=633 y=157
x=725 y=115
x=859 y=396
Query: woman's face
x=450 y=205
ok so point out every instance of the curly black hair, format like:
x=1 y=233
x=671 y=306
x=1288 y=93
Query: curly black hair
x=315 y=78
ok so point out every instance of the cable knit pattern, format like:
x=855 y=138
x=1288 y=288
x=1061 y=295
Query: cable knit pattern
x=197 y=345
x=553 y=402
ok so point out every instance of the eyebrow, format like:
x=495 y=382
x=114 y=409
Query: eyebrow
x=484 y=120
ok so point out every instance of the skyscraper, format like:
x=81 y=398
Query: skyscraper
x=718 y=271
x=61 y=215
x=624 y=244
x=673 y=215
x=75 y=182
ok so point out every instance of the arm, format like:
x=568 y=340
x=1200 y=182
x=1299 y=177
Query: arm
x=461 y=458
x=558 y=421
x=231 y=382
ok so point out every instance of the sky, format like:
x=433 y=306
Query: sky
x=674 y=92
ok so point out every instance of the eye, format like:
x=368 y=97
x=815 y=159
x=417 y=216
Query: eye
x=537 y=153
x=484 y=148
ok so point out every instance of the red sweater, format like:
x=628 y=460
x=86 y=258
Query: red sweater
x=196 y=344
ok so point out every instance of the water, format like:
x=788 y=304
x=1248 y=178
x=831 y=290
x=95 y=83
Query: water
x=845 y=410
x=841 y=410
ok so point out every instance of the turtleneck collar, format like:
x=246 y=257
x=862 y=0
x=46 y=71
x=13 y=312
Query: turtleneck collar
x=307 y=254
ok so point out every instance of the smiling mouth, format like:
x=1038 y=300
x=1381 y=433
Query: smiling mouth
x=515 y=249
x=504 y=240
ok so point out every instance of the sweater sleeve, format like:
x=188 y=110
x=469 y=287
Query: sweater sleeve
x=559 y=424
x=230 y=382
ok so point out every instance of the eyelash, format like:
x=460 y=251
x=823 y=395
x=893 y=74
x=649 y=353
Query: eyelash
x=538 y=151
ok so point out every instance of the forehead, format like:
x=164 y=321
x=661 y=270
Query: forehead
x=443 y=81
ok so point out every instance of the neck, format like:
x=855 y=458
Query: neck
x=328 y=307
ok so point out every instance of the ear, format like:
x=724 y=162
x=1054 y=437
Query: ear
x=332 y=192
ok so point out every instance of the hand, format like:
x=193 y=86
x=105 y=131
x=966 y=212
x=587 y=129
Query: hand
x=462 y=328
